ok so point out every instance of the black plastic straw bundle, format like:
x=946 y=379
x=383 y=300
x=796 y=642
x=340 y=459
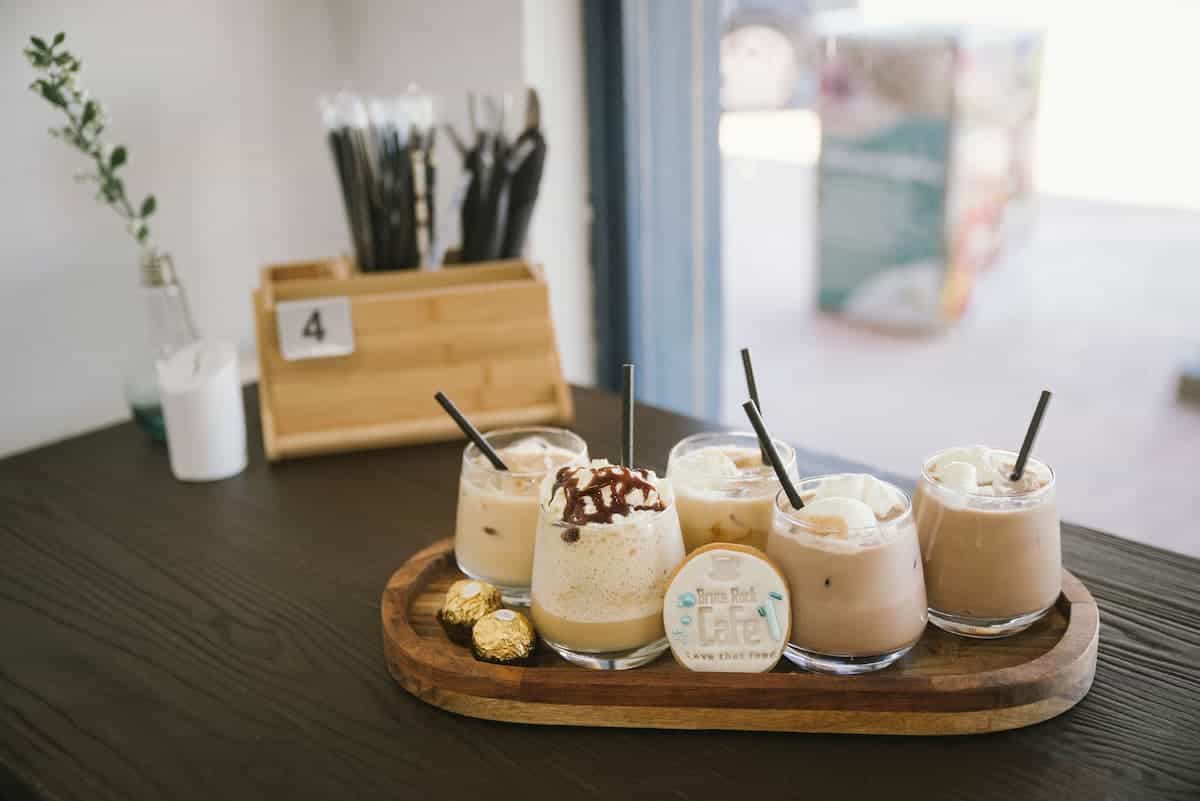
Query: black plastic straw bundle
x=383 y=152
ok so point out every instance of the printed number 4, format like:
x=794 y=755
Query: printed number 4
x=313 y=328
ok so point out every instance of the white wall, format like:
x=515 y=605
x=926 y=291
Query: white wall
x=216 y=107
x=553 y=62
x=216 y=102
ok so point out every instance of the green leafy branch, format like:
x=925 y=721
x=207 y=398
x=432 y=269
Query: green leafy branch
x=58 y=70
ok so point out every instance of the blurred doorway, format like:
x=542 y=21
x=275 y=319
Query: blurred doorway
x=1099 y=305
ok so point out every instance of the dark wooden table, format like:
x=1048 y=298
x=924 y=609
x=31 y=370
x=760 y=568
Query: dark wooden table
x=163 y=640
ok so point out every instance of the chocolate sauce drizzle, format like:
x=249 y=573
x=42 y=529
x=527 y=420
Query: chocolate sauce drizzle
x=620 y=480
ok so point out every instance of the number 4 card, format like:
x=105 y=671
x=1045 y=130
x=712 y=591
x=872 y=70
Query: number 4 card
x=315 y=329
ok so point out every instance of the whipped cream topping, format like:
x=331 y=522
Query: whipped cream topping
x=602 y=492
x=984 y=471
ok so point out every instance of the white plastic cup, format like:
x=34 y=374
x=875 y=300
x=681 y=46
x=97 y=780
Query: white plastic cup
x=202 y=405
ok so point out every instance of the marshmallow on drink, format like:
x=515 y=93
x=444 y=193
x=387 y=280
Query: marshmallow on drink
x=851 y=502
x=839 y=514
x=978 y=470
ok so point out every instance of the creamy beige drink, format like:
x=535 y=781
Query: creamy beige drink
x=991 y=546
x=723 y=490
x=853 y=568
x=607 y=541
x=498 y=509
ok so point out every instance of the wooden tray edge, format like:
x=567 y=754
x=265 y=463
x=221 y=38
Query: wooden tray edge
x=1062 y=678
x=927 y=724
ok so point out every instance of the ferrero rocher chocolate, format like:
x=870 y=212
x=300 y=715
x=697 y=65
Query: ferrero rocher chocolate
x=504 y=637
x=466 y=602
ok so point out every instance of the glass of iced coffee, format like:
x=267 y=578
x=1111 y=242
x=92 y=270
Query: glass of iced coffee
x=724 y=490
x=498 y=509
x=991 y=545
x=607 y=541
x=853 y=568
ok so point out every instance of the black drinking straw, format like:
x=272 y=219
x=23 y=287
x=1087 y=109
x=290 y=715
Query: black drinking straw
x=752 y=387
x=627 y=415
x=764 y=439
x=1027 y=445
x=471 y=431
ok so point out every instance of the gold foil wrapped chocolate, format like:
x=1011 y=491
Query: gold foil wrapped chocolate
x=504 y=637
x=466 y=602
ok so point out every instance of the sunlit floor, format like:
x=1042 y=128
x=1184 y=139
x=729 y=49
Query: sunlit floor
x=1102 y=306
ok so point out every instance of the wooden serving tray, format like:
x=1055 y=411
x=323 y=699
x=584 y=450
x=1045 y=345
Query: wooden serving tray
x=945 y=685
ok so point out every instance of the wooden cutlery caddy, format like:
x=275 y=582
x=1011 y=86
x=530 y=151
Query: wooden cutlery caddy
x=483 y=334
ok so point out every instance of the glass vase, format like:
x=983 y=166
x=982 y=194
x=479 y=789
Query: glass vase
x=169 y=327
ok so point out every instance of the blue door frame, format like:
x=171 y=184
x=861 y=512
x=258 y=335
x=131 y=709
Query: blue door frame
x=653 y=92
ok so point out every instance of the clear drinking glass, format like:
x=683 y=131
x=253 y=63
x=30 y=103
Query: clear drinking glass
x=598 y=588
x=993 y=563
x=498 y=509
x=715 y=506
x=858 y=596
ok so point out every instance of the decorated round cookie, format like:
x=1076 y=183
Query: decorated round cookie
x=727 y=610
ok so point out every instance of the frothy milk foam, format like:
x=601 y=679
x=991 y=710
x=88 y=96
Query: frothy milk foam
x=611 y=574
